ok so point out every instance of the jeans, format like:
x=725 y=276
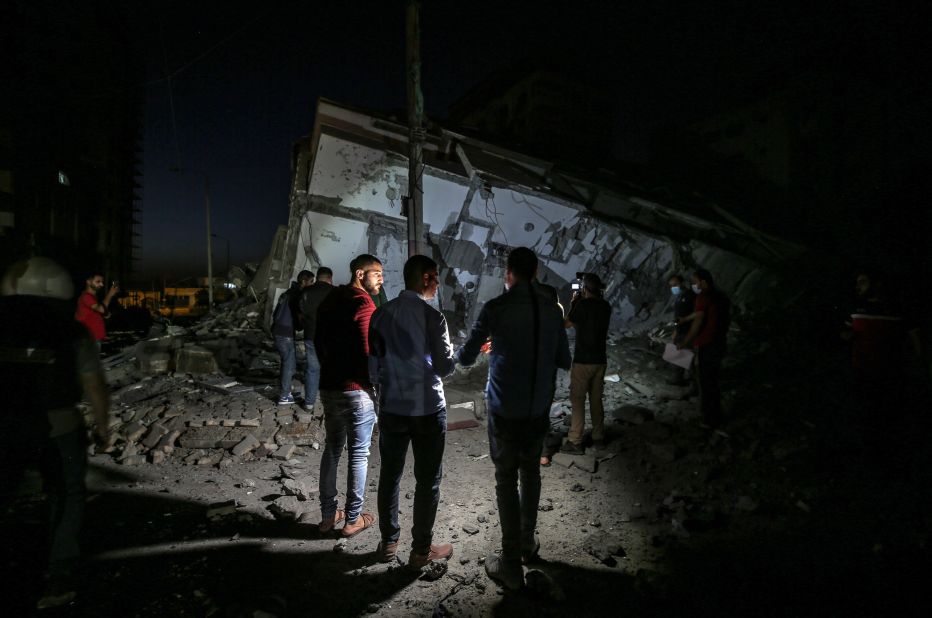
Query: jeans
x=427 y=435
x=286 y=350
x=311 y=373
x=709 y=364
x=348 y=419
x=515 y=446
x=586 y=379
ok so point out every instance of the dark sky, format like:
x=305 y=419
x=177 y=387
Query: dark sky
x=239 y=108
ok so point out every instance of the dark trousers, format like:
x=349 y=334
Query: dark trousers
x=515 y=446
x=708 y=366
x=63 y=463
x=427 y=437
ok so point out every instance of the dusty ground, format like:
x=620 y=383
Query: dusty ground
x=781 y=513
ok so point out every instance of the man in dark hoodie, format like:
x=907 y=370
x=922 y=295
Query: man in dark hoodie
x=346 y=392
x=286 y=319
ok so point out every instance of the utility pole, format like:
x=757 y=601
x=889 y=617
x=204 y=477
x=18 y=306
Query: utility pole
x=416 y=133
x=210 y=255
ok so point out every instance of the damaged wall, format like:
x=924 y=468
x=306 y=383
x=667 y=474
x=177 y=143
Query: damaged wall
x=479 y=201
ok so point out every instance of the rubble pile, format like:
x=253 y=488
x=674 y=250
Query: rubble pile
x=175 y=396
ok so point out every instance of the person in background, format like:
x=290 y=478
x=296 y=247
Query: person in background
x=91 y=311
x=684 y=301
x=590 y=315
x=311 y=298
x=707 y=335
x=286 y=319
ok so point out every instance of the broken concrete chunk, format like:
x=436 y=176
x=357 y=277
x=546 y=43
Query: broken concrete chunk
x=285 y=452
x=583 y=462
x=603 y=546
x=248 y=443
x=470 y=529
x=156 y=431
x=134 y=431
x=195 y=359
x=204 y=437
x=134 y=460
x=286 y=508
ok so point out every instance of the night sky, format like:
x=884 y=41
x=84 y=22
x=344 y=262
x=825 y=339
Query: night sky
x=239 y=108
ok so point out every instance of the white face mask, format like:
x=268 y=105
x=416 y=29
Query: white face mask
x=675 y=290
x=697 y=289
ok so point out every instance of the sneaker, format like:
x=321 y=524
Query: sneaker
x=508 y=573
x=571 y=448
x=285 y=400
x=436 y=552
x=308 y=407
x=387 y=551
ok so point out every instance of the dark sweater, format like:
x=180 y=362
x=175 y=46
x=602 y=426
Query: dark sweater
x=342 y=339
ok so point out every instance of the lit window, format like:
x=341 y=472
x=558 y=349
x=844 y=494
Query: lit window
x=63 y=179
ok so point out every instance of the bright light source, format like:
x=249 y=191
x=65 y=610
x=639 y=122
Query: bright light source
x=63 y=179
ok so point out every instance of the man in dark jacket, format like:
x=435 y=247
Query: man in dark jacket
x=590 y=315
x=528 y=344
x=286 y=319
x=311 y=298
x=342 y=342
x=684 y=301
x=411 y=346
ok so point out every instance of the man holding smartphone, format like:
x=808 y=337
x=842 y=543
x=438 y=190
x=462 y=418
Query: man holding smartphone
x=91 y=311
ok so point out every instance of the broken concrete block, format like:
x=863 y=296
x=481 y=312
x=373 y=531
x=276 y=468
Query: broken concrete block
x=635 y=415
x=248 y=443
x=134 y=431
x=301 y=434
x=285 y=452
x=155 y=363
x=583 y=462
x=167 y=442
x=195 y=359
x=129 y=449
x=286 y=508
x=204 y=437
x=304 y=417
x=470 y=529
x=157 y=457
x=210 y=460
x=603 y=546
x=134 y=460
x=248 y=422
x=156 y=431
x=461 y=416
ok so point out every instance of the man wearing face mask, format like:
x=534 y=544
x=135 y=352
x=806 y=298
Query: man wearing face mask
x=707 y=335
x=684 y=300
x=411 y=353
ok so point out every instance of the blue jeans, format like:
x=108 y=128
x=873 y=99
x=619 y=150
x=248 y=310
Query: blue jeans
x=285 y=347
x=515 y=446
x=427 y=435
x=348 y=418
x=311 y=374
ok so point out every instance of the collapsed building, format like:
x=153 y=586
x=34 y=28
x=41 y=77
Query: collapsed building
x=480 y=200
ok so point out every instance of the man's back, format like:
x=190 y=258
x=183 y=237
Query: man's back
x=311 y=299
x=591 y=317
x=410 y=341
x=528 y=345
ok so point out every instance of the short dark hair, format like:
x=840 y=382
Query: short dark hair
x=323 y=271
x=592 y=283
x=414 y=270
x=675 y=276
x=522 y=262
x=703 y=275
x=304 y=275
x=360 y=262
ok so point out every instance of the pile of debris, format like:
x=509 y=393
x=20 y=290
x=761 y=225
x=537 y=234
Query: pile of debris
x=174 y=396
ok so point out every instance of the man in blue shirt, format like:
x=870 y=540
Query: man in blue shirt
x=528 y=344
x=410 y=346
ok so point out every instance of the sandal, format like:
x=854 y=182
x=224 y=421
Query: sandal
x=327 y=525
x=350 y=529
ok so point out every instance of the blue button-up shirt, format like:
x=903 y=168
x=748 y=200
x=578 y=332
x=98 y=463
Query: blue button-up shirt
x=523 y=362
x=410 y=352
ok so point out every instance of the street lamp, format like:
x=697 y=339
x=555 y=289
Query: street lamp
x=210 y=265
